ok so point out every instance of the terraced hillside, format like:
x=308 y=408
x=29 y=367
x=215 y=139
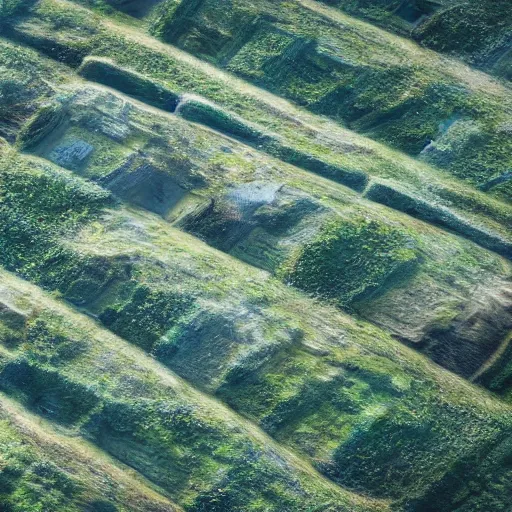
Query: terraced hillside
x=477 y=31
x=254 y=257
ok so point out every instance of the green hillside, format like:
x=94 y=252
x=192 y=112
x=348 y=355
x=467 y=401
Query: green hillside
x=479 y=32
x=255 y=256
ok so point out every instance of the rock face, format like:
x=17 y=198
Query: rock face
x=213 y=272
x=71 y=155
x=145 y=186
x=477 y=328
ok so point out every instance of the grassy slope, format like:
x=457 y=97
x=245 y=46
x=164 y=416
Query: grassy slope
x=433 y=328
x=206 y=454
x=42 y=469
x=477 y=31
x=272 y=233
x=58 y=23
x=340 y=67
x=340 y=392
x=127 y=265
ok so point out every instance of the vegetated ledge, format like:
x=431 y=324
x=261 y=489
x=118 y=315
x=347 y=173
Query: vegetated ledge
x=199 y=110
x=151 y=164
x=311 y=134
x=208 y=457
x=42 y=467
x=392 y=196
x=478 y=31
x=376 y=83
x=182 y=301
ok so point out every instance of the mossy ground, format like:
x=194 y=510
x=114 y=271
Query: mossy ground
x=44 y=470
x=288 y=403
x=126 y=139
x=270 y=369
x=308 y=57
x=477 y=32
x=363 y=256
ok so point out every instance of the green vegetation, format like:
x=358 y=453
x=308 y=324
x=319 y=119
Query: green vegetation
x=201 y=112
x=277 y=370
x=29 y=483
x=43 y=470
x=479 y=32
x=476 y=31
x=226 y=296
x=132 y=84
x=30 y=225
x=147 y=315
x=349 y=261
x=435 y=214
x=315 y=58
x=206 y=454
x=147 y=161
x=10 y=8
x=73 y=28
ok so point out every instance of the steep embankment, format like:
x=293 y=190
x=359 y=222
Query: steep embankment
x=479 y=32
x=239 y=294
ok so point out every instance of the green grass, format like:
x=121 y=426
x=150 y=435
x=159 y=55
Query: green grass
x=394 y=93
x=44 y=470
x=217 y=381
x=141 y=409
x=277 y=370
x=266 y=234
x=350 y=260
x=475 y=31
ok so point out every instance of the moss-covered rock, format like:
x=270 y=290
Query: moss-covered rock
x=46 y=470
x=345 y=396
x=146 y=316
x=201 y=112
x=107 y=73
x=479 y=32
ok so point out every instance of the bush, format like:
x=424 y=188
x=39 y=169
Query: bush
x=218 y=119
x=129 y=82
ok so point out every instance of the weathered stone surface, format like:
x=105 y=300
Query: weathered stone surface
x=71 y=154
